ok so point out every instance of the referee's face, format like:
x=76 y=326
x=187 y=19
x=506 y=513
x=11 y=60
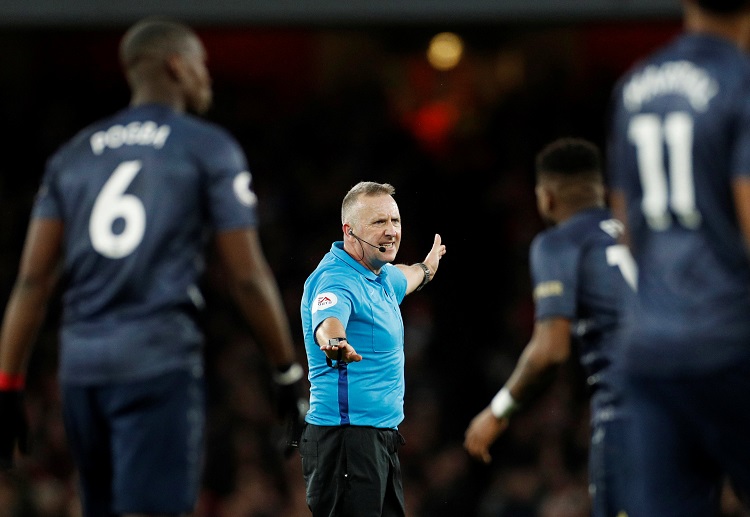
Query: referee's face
x=380 y=225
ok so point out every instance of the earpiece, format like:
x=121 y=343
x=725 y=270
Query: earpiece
x=351 y=232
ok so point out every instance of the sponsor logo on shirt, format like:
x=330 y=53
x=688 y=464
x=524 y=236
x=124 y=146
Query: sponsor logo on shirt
x=324 y=301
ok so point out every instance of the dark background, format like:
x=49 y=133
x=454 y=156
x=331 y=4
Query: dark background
x=319 y=104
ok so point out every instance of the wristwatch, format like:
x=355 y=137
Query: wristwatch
x=427 y=275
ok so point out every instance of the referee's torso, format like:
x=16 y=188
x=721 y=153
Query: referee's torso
x=369 y=392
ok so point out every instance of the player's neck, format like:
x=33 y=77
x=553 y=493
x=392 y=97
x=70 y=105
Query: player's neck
x=568 y=211
x=735 y=28
x=157 y=96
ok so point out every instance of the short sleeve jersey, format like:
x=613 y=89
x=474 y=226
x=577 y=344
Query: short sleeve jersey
x=138 y=193
x=369 y=392
x=679 y=136
x=580 y=273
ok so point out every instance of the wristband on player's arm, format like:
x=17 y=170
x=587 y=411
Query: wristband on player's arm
x=288 y=374
x=14 y=429
x=503 y=404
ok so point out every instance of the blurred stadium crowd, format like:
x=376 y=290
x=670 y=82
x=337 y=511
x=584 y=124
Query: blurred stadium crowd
x=317 y=111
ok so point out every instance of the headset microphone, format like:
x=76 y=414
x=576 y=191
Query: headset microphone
x=381 y=249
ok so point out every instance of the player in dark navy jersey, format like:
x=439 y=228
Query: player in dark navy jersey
x=580 y=276
x=679 y=153
x=122 y=216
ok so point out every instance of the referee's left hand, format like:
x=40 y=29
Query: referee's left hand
x=343 y=352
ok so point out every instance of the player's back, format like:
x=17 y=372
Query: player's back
x=135 y=193
x=680 y=134
x=581 y=273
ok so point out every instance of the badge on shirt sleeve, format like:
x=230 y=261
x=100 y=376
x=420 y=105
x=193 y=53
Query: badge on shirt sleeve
x=547 y=289
x=324 y=301
x=243 y=190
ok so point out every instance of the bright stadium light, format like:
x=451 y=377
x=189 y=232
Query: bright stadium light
x=445 y=51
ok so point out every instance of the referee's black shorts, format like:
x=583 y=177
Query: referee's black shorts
x=352 y=471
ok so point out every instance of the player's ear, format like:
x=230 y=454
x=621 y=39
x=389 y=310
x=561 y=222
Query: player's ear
x=544 y=199
x=174 y=65
x=601 y=193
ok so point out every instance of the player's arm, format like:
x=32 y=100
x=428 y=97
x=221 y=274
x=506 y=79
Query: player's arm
x=741 y=190
x=24 y=314
x=256 y=292
x=548 y=348
x=37 y=277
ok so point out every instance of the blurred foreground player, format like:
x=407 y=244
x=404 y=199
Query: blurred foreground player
x=580 y=274
x=121 y=216
x=680 y=171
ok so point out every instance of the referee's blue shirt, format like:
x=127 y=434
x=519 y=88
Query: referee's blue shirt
x=369 y=392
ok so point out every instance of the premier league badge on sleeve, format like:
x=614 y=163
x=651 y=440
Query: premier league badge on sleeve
x=324 y=301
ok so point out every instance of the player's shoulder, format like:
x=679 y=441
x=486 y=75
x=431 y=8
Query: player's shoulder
x=141 y=121
x=578 y=231
x=551 y=242
x=211 y=142
x=725 y=62
x=79 y=142
x=157 y=117
x=205 y=127
x=697 y=57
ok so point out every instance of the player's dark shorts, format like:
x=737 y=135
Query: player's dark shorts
x=352 y=471
x=610 y=471
x=689 y=435
x=138 y=445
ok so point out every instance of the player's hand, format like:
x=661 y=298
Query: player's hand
x=482 y=432
x=14 y=428
x=291 y=404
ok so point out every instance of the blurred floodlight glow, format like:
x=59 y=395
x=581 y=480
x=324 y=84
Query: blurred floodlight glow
x=445 y=50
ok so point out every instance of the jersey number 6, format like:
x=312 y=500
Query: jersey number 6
x=112 y=204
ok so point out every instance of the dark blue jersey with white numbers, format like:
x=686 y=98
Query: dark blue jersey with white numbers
x=581 y=273
x=679 y=135
x=138 y=194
